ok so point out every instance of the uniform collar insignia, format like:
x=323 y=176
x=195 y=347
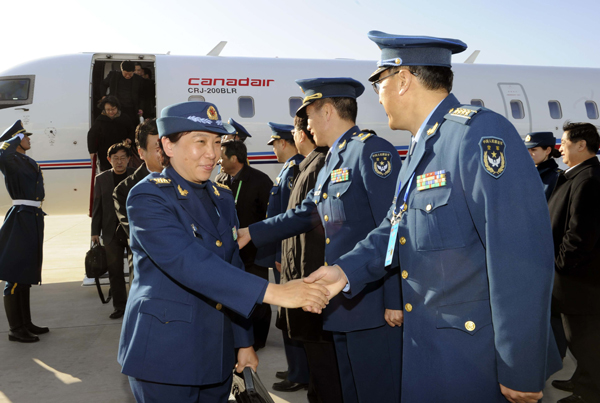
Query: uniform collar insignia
x=216 y=191
x=182 y=192
x=433 y=129
x=341 y=146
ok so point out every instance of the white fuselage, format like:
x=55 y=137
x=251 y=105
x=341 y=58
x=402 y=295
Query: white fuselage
x=59 y=112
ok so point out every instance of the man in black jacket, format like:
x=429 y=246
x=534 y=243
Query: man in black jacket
x=576 y=230
x=127 y=87
x=146 y=138
x=300 y=256
x=251 y=189
x=105 y=223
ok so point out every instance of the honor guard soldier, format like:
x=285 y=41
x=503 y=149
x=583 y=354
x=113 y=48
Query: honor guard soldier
x=22 y=233
x=353 y=191
x=190 y=298
x=541 y=146
x=470 y=234
x=282 y=141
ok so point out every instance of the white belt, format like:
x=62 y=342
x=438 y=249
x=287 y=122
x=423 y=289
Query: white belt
x=31 y=203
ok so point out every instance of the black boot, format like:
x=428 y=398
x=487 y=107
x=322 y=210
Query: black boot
x=18 y=331
x=25 y=296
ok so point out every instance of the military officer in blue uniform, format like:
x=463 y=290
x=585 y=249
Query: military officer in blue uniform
x=541 y=146
x=22 y=233
x=190 y=298
x=284 y=148
x=353 y=192
x=470 y=232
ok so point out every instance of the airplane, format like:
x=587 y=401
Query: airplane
x=56 y=99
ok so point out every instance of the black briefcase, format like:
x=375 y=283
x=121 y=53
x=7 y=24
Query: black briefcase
x=95 y=266
x=247 y=388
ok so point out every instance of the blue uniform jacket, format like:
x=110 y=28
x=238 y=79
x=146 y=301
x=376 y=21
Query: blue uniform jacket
x=549 y=172
x=22 y=233
x=476 y=262
x=190 y=295
x=278 y=201
x=353 y=192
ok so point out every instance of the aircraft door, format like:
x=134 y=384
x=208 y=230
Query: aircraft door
x=516 y=106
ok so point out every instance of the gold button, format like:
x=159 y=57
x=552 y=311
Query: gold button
x=37 y=198
x=326 y=264
x=338 y=194
x=272 y=194
x=219 y=307
x=327 y=241
x=326 y=218
x=404 y=274
x=324 y=195
x=408 y=307
x=402 y=240
x=219 y=243
x=428 y=208
x=470 y=326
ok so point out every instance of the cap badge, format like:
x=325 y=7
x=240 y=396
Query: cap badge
x=312 y=97
x=212 y=113
x=528 y=138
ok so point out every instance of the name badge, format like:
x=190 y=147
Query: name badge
x=389 y=256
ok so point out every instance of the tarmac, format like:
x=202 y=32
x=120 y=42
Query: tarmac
x=76 y=362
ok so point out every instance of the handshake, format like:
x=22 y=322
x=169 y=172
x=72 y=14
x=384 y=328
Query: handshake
x=311 y=293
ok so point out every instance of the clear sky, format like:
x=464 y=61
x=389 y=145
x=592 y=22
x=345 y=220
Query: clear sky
x=524 y=32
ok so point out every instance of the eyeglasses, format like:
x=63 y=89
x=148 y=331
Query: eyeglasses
x=376 y=84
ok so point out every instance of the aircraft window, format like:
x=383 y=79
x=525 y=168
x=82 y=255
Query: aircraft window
x=198 y=98
x=246 y=107
x=295 y=103
x=477 y=102
x=555 y=109
x=517 y=110
x=592 y=109
x=16 y=90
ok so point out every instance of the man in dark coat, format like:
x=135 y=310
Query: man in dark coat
x=111 y=127
x=22 y=233
x=576 y=230
x=250 y=189
x=105 y=223
x=127 y=86
x=300 y=256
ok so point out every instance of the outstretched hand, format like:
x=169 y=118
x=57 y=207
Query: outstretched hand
x=332 y=277
x=515 y=396
x=243 y=237
x=297 y=294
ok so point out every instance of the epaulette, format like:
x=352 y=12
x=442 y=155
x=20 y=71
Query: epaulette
x=365 y=134
x=4 y=145
x=222 y=186
x=291 y=163
x=161 y=181
x=463 y=114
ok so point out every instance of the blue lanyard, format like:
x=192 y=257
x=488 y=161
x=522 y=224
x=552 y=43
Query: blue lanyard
x=404 y=206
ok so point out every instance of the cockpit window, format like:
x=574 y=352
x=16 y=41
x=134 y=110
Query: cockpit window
x=16 y=90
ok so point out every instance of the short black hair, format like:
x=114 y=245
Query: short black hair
x=432 y=77
x=290 y=141
x=173 y=138
x=143 y=130
x=127 y=65
x=237 y=148
x=301 y=123
x=347 y=108
x=111 y=100
x=577 y=131
x=148 y=72
x=115 y=148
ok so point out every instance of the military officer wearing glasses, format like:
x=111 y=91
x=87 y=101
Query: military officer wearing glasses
x=476 y=263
